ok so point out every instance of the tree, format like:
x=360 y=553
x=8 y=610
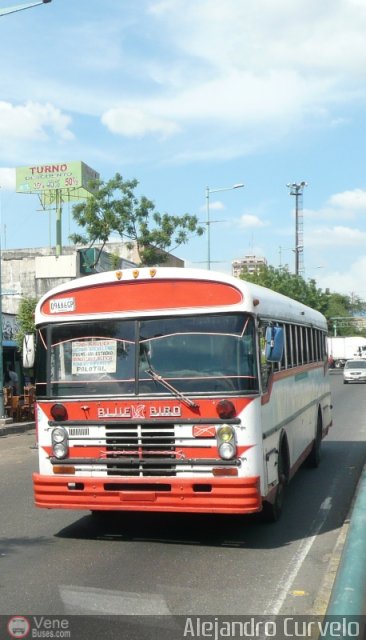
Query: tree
x=289 y=284
x=114 y=207
x=25 y=319
x=331 y=305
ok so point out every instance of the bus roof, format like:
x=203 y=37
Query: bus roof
x=175 y=290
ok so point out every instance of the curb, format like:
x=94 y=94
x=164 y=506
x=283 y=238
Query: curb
x=324 y=594
x=349 y=591
x=18 y=427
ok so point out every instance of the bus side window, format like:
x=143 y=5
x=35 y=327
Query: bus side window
x=266 y=367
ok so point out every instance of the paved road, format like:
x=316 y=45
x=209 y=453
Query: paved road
x=62 y=562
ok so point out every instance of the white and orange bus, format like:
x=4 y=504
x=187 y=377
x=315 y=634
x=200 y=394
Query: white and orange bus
x=165 y=389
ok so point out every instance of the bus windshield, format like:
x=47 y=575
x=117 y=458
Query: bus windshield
x=192 y=354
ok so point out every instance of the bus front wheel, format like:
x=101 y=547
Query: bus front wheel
x=272 y=510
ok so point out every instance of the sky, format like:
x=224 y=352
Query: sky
x=190 y=95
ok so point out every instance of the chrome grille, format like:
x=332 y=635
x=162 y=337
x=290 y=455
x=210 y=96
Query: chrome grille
x=139 y=446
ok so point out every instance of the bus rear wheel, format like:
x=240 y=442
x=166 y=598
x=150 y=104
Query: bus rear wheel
x=313 y=459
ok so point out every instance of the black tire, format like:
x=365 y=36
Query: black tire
x=272 y=510
x=314 y=457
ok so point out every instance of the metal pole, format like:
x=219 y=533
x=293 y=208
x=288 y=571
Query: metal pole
x=208 y=221
x=21 y=7
x=208 y=228
x=297 y=248
x=58 y=222
x=296 y=190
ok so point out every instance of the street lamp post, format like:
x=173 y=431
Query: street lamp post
x=208 y=221
x=21 y=7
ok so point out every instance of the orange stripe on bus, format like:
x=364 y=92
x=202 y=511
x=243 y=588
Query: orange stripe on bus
x=139 y=295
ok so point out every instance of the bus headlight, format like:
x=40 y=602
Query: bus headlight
x=60 y=442
x=225 y=433
x=227 y=450
x=60 y=450
x=59 y=434
x=226 y=442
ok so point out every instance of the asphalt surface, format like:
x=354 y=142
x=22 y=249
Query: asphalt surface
x=62 y=561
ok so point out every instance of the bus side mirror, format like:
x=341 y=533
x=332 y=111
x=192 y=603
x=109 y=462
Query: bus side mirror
x=274 y=344
x=29 y=350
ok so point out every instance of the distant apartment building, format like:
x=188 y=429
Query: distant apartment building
x=251 y=264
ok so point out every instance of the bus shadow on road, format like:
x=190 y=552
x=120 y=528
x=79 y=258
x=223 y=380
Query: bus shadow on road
x=316 y=501
x=9 y=546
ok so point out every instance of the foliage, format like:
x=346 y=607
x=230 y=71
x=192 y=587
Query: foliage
x=338 y=309
x=291 y=285
x=25 y=319
x=114 y=207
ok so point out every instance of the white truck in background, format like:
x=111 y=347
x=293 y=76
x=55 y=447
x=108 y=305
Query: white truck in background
x=342 y=348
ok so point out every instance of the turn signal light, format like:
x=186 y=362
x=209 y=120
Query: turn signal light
x=225 y=409
x=64 y=469
x=225 y=471
x=59 y=412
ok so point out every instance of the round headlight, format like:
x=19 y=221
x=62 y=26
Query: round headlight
x=60 y=450
x=58 y=434
x=225 y=433
x=227 y=450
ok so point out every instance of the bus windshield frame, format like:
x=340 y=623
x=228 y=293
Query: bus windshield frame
x=206 y=354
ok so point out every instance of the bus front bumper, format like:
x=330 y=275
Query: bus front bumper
x=200 y=495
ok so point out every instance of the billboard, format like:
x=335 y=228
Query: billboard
x=71 y=177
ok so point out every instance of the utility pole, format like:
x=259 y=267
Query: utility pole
x=296 y=189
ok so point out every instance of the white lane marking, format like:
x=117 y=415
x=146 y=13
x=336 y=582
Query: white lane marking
x=297 y=561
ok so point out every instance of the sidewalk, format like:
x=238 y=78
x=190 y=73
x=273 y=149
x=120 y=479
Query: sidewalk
x=7 y=428
x=348 y=595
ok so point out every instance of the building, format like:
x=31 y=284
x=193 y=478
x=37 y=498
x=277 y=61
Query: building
x=250 y=263
x=30 y=273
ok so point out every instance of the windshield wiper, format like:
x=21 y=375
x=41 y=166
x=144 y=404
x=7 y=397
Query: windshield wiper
x=158 y=378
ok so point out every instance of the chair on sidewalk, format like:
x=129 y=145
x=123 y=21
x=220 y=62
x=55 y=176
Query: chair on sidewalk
x=15 y=408
x=27 y=404
x=8 y=400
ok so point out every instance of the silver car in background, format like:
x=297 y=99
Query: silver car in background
x=354 y=371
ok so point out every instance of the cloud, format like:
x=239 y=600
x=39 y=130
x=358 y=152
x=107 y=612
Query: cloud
x=340 y=206
x=227 y=64
x=234 y=76
x=215 y=205
x=132 y=121
x=253 y=57
x=327 y=38
x=248 y=221
x=355 y=199
x=33 y=121
x=7 y=179
x=346 y=281
x=334 y=237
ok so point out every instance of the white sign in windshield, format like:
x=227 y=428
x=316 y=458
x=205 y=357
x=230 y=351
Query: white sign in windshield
x=94 y=356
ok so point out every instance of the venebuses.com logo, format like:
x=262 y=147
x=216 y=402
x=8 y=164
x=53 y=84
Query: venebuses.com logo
x=18 y=627
x=38 y=627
